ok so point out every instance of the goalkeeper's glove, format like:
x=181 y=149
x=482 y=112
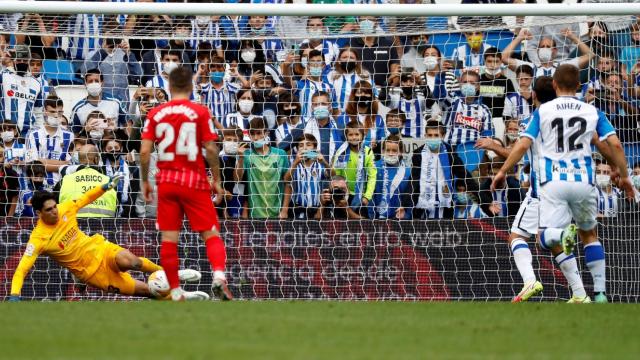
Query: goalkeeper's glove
x=113 y=181
x=14 y=298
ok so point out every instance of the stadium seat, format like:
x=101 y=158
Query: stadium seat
x=59 y=72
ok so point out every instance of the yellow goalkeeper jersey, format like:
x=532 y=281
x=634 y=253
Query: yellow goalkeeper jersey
x=64 y=243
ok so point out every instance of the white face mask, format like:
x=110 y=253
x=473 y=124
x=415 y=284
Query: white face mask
x=248 y=56
x=169 y=67
x=545 y=54
x=245 y=106
x=53 y=121
x=603 y=180
x=8 y=136
x=230 y=147
x=202 y=21
x=96 y=134
x=391 y=159
x=430 y=62
x=94 y=89
x=315 y=33
x=492 y=72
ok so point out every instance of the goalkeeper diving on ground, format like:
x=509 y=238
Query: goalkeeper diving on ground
x=91 y=259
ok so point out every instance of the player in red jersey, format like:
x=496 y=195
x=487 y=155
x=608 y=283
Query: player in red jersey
x=179 y=129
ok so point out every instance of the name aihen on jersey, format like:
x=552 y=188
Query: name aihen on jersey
x=562 y=130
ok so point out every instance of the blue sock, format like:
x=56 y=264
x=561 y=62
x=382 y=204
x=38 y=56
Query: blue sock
x=594 y=257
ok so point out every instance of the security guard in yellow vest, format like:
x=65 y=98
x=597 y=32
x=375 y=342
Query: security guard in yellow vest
x=84 y=178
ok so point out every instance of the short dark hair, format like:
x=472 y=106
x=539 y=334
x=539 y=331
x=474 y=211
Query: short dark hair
x=321 y=93
x=434 y=124
x=353 y=125
x=232 y=131
x=310 y=138
x=95 y=71
x=315 y=53
x=524 y=69
x=393 y=139
x=543 y=88
x=492 y=52
x=468 y=73
x=398 y=113
x=170 y=51
x=567 y=77
x=180 y=79
x=53 y=101
x=34 y=168
x=40 y=197
x=257 y=123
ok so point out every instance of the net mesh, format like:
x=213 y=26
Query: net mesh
x=435 y=240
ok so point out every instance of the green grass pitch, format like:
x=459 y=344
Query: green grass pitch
x=317 y=330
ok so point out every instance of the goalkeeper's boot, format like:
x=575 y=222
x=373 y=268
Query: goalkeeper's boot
x=529 y=289
x=196 y=296
x=579 y=300
x=569 y=238
x=221 y=290
x=600 y=298
x=189 y=275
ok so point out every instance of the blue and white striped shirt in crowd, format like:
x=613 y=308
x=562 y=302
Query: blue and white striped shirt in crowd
x=17 y=152
x=85 y=30
x=342 y=85
x=41 y=145
x=271 y=48
x=469 y=211
x=21 y=100
x=500 y=198
x=466 y=122
x=563 y=129
x=122 y=18
x=416 y=112
x=160 y=82
x=220 y=101
x=239 y=120
x=307 y=184
x=329 y=49
x=109 y=106
x=516 y=107
x=539 y=71
x=306 y=88
x=608 y=202
x=208 y=34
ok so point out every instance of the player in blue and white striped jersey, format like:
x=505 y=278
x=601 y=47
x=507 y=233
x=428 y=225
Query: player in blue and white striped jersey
x=110 y=107
x=466 y=118
x=562 y=130
x=308 y=173
x=21 y=93
x=50 y=144
x=218 y=94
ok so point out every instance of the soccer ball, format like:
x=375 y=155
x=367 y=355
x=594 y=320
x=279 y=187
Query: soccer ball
x=158 y=284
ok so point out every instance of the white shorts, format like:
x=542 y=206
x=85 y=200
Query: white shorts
x=560 y=201
x=526 y=221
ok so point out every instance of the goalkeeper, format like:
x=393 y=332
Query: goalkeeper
x=91 y=259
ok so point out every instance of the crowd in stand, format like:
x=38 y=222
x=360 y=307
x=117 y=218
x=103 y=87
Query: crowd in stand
x=313 y=128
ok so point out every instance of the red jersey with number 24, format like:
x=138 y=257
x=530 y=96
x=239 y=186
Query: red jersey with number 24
x=179 y=128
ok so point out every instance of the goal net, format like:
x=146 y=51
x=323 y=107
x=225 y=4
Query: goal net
x=382 y=136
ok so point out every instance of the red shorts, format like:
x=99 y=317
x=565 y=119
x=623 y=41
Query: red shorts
x=174 y=201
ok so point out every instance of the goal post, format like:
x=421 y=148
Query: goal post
x=390 y=68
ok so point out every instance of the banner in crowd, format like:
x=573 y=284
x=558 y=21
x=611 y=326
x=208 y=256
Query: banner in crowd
x=363 y=260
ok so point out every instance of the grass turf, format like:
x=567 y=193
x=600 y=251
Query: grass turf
x=317 y=330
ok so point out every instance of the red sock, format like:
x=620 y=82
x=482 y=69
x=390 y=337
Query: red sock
x=216 y=253
x=170 y=262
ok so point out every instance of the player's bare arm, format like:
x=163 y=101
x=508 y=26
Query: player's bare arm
x=145 y=154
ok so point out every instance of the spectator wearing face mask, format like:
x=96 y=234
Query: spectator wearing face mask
x=471 y=54
x=410 y=99
x=289 y=115
x=241 y=118
x=347 y=72
x=9 y=187
x=546 y=58
x=363 y=109
x=609 y=197
x=436 y=79
x=465 y=204
x=205 y=29
x=266 y=95
x=412 y=59
x=318 y=39
x=97 y=100
x=494 y=86
x=435 y=168
x=230 y=206
x=605 y=64
x=501 y=202
x=252 y=63
x=114 y=160
x=257 y=26
x=218 y=94
x=467 y=119
x=35 y=174
x=307 y=173
x=118 y=66
x=14 y=151
x=50 y=145
x=379 y=56
x=171 y=60
x=21 y=99
x=635 y=175
x=395 y=123
x=311 y=83
x=391 y=197
x=519 y=105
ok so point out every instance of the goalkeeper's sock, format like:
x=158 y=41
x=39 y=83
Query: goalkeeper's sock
x=523 y=259
x=149 y=266
x=594 y=257
x=550 y=237
x=170 y=262
x=216 y=253
x=569 y=267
